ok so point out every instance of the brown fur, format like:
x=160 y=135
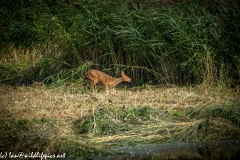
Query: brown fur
x=96 y=76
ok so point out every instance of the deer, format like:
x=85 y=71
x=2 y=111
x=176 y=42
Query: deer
x=96 y=76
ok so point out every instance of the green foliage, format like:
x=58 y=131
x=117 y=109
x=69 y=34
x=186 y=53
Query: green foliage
x=107 y=121
x=230 y=112
x=17 y=134
x=175 y=113
x=8 y=71
x=206 y=127
x=99 y=123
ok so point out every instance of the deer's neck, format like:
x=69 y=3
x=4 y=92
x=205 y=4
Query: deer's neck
x=118 y=80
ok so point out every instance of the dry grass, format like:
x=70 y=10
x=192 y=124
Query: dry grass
x=49 y=119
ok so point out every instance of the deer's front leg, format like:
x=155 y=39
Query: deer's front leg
x=106 y=89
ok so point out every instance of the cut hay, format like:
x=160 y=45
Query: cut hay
x=65 y=120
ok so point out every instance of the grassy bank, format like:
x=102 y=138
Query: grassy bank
x=72 y=121
x=160 y=45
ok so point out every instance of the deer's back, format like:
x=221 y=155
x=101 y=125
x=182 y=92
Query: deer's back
x=99 y=76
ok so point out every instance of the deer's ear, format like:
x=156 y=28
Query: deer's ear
x=122 y=73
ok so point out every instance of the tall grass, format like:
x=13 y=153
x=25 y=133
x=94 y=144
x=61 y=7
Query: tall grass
x=182 y=42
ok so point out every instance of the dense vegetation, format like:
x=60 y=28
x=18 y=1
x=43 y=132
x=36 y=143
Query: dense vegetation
x=168 y=42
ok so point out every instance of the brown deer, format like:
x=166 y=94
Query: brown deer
x=96 y=76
